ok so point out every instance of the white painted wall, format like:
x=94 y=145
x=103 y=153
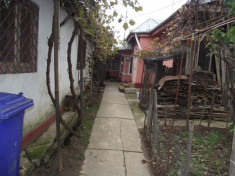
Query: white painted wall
x=33 y=85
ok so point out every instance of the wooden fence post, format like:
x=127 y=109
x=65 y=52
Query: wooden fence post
x=155 y=124
x=189 y=145
x=202 y=112
x=217 y=64
x=149 y=115
x=232 y=159
x=211 y=110
x=165 y=114
x=192 y=56
x=56 y=29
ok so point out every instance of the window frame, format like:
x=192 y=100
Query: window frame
x=23 y=49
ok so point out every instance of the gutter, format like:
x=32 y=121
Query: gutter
x=138 y=43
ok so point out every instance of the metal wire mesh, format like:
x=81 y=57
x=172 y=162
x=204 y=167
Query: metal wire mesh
x=18 y=36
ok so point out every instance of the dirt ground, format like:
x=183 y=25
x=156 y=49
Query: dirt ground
x=211 y=147
x=73 y=149
x=210 y=155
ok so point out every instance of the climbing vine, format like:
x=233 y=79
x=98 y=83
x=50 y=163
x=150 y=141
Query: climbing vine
x=196 y=20
x=90 y=18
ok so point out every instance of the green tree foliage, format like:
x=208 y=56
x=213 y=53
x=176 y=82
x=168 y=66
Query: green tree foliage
x=224 y=37
x=132 y=22
x=94 y=20
x=230 y=5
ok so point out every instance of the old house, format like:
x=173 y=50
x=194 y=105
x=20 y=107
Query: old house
x=25 y=27
x=138 y=39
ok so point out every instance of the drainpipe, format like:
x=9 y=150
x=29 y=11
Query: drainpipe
x=138 y=43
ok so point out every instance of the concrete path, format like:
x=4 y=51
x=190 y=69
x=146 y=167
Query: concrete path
x=115 y=147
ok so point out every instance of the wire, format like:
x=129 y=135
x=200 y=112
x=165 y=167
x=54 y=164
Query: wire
x=156 y=10
x=210 y=28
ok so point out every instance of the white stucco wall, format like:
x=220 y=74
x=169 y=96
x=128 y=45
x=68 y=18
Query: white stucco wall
x=33 y=85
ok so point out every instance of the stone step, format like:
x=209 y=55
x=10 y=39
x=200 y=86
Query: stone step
x=131 y=90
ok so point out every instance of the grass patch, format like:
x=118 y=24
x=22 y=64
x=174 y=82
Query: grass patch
x=79 y=157
x=89 y=115
x=73 y=150
x=130 y=96
x=210 y=152
x=213 y=138
x=37 y=152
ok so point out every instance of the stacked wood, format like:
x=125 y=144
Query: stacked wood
x=202 y=90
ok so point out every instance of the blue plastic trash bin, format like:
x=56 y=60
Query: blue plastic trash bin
x=12 y=108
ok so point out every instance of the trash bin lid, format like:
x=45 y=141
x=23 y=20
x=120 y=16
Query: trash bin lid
x=11 y=104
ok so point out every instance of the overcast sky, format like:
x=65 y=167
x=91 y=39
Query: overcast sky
x=155 y=9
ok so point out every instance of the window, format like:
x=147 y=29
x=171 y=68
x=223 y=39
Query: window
x=18 y=36
x=113 y=65
x=81 y=53
x=130 y=65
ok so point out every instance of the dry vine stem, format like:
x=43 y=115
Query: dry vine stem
x=75 y=32
x=50 y=46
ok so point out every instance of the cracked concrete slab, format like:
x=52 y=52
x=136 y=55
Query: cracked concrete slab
x=103 y=163
x=134 y=165
x=115 y=146
x=112 y=89
x=112 y=84
x=130 y=136
x=114 y=100
x=106 y=134
x=109 y=90
x=115 y=134
x=112 y=94
x=115 y=110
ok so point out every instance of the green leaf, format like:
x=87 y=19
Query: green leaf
x=218 y=35
x=137 y=9
x=232 y=39
x=232 y=34
x=115 y=14
x=131 y=4
x=215 y=46
x=215 y=52
x=132 y=22
x=124 y=3
x=208 y=45
x=125 y=26
x=120 y=20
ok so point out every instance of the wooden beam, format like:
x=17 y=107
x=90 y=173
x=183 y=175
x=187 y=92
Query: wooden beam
x=217 y=64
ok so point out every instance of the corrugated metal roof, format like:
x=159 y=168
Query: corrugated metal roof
x=202 y=1
x=128 y=47
x=147 y=26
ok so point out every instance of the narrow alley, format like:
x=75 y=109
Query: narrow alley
x=117 y=88
x=115 y=146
